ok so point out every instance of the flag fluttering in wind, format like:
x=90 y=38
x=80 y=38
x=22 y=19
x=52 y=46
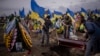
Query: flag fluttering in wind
x=22 y=13
x=70 y=14
x=36 y=8
x=84 y=12
x=96 y=12
x=48 y=12
x=57 y=14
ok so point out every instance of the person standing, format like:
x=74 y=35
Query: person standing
x=45 y=30
x=93 y=43
x=67 y=23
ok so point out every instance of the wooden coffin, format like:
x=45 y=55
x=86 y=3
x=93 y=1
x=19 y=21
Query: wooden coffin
x=71 y=43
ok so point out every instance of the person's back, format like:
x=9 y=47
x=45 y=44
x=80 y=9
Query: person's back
x=92 y=29
x=94 y=38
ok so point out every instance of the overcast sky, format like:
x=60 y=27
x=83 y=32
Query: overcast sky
x=9 y=6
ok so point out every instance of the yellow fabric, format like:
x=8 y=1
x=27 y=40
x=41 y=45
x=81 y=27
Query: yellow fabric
x=25 y=35
x=82 y=27
x=37 y=26
x=60 y=29
x=71 y=17
x=41 y=20
x=77 y=25
x=53 y=20
x=57 y=16
x=83 y=14
x=34 y=15
x=98 y=15
x=7 y=38
x=45 y=15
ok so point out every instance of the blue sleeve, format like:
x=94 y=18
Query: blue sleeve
x=90 y=27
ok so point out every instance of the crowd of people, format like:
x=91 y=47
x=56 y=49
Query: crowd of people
x=90 y=25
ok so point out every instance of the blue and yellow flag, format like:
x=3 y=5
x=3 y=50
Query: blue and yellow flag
x=84 y=12
x=57 y=14
x=70 y=14
x=96 y=12
x=22 y=13
x=36 y=8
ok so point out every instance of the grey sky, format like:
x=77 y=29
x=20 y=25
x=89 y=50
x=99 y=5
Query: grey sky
x=9 y=6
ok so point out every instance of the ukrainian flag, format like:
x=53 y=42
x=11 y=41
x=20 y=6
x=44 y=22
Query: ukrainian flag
x=96 y=12
x=22 y=13
x=57 y=14
x=84 y=12
x=70 y=14
x=36 y=8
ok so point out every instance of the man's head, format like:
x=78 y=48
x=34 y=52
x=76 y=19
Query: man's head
x=66 y=17
x=48 y=17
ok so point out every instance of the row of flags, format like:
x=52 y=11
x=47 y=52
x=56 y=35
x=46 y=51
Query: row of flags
x=39 y=12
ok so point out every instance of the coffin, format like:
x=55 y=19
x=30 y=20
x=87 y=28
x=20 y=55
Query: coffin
x=71 y=43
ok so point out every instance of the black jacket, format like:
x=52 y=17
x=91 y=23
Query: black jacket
x=47 y=25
